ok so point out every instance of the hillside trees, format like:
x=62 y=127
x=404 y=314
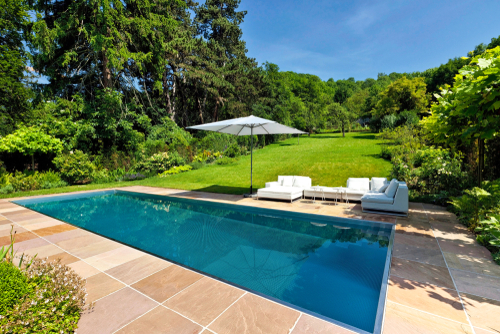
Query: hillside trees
x=14 y=93
x=403 y=94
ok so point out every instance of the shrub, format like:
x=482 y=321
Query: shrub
x=160 y=162
x=133 y=177
x=8 y=189
x=13 y=284
x=24 y=182
x=50 y=179
x=106 y=176
x=388 y=122
x=75 y=167
x=407 y=118
x=176 y=170
x=196 y=165
x=226 y=161
x=233 y=151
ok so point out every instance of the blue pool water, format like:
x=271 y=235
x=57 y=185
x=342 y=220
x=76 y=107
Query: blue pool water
x=331 y=267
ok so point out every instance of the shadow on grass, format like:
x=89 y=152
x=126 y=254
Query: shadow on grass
x=225 y=190
x=365 y=137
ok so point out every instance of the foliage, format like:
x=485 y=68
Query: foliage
x=226 y=161
x=27 y=181
x=24 y=181
x=176 y=170
x=232 y=151
x=340 y=116
x=133 y=177
x=51 y=303
x=160 y=162
x=30 y=140
x=403 y=94
x=14 y=93
x=75 y=167
x=388 y=122
x=13 y=284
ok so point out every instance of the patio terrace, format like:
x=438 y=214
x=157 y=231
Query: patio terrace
x=441 y=279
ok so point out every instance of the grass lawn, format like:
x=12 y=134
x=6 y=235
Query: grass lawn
x=329 y=159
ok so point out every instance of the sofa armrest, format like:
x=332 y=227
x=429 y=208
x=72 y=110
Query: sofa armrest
x=401 y=198
x=272 y=184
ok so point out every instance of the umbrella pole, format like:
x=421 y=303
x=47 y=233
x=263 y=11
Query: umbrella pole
x=251 y=160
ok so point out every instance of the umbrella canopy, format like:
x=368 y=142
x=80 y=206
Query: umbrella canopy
x=248 y=126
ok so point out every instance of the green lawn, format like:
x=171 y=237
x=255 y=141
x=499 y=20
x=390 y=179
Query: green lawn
x=329 y=159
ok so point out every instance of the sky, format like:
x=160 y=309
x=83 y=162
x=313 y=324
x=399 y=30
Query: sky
x=340 y=39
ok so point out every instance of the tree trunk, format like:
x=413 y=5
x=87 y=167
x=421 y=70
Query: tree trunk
x=216 y=110
x=106 y=72
x=343 y=130
x=33 y=162
x=481 y=161
x=167 y=95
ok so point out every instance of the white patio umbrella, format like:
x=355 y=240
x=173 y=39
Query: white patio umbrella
x=248 y=126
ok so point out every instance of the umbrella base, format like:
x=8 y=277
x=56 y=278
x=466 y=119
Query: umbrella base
x=250 y=195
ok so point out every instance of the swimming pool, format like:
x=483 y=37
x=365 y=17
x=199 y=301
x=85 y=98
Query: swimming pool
x=333 y=268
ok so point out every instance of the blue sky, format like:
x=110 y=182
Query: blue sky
x=359 y=38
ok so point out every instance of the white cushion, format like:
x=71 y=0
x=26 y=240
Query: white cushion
x=378 y=183
x=392 y=188
x=377 y=198
x=358 y=184
x=302 y=182
x=280 y=190
x=285 y=181
x=384 y=187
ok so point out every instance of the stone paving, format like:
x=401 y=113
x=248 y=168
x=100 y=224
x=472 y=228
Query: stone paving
x=441 y=279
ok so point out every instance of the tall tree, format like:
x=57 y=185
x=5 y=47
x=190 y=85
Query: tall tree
x=403 y=94
x=14 y=93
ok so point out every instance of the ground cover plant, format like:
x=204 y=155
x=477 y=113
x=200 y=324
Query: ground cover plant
x=38 y=296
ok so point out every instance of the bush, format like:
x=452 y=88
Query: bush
x=196 y=165
x=407 y=118
x=133 y=177
x=75 y=167
x=106 y=176
x=52 y=303
x=226 y=161
x=25 y=181
x=13 y=284
x=158 y=163
x=50 y=179
x=388 y=122
x=233 y=151
x=176 y=170
x=8 y=189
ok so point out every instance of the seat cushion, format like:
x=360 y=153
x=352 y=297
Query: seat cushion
x=285 y=180
x=280 y=190
x=392 y=188
x=378 y=183
x=303 y=182
x=358 y=184
x=380 y=198
x=349 y=191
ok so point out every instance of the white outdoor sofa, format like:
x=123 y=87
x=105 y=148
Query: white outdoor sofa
x=356 y=188
x=393 y=201
x=287 y=188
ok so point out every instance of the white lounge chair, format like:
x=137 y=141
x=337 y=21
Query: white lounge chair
x=356 y=188
x=287 y=188
x=392 y=201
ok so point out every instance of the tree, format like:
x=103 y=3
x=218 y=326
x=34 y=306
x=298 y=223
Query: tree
x=14 y=94
x=470 y=110
x=345 y=89
x=29 y=141
x=340 y=116
x=402 y=94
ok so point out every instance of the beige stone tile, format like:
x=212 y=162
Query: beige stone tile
x=167 y=282
x=43 y=251
x=20 y=237
x=312 y=325
x=91 y=249
x=422 y=242
x=483 y=331
x=5 y=232
x=135 y=270
x=253 y=314
x=114 y=311
x=64 y=257
x=59 y=228
x=204 y=300
x=400 y=319
x=419 y=254
x=479 y=285
x=161 y=320
x=474 y=264
x=418 y=228
x=483 y=312
x=113 y=258
x=420 y=272
x=21 y=247
x=60 y=237
x=75 y=242
x=461 y=248
x=83 y=269
x=101 y=285
x=426 y=297
x=42 y=224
